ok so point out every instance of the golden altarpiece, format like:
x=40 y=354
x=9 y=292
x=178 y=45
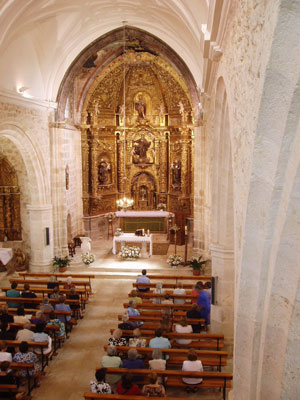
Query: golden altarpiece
x=137 y=137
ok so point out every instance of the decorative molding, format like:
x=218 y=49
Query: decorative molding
x=220 y=251
x=44 y=207
x=17 y=98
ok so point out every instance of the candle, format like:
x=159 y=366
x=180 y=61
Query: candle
x=148 y=232
x=143 y=232
x=185 y=230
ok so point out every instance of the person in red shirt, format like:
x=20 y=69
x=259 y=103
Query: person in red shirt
x=127 y=387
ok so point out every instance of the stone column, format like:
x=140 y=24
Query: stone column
x=40 y=218
x=222 y=314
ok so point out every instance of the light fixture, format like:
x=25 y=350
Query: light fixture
x=125 y=202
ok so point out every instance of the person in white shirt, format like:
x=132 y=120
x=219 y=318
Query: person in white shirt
x=4 y=355
x=143 y=279
x=25 y=334
x=192 y=365
x=179 y=290
x=158 y=290
x=183 y=327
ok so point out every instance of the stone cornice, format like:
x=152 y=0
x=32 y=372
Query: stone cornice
x=13 y=97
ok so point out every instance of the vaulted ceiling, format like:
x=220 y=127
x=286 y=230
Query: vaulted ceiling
x=39 y=39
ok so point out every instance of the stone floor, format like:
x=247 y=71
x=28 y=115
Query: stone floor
x=68 y=374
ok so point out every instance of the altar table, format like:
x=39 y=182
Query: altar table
x=131 y=237
x=155 y=221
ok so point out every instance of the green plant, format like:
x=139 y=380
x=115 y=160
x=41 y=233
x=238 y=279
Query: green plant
x=61 y=262
x=197 y=264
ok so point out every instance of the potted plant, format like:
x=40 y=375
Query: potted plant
x=197 y=264
x=61 y=263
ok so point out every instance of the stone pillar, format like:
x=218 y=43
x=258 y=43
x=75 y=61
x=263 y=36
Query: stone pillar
x=222 y=314
x=40 y=218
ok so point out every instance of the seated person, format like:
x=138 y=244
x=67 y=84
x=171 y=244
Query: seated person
x=137 y=341
x=126 y=325
x=157 y=361
x=133 y=312
x=61 y=306
x=194 y=313
x=55 y=294
x=143 y=279
x=13 y=292
x=39 y=318
x=52 y=282
x=159 y=342
x=166 y=322
x=6 y=333
x=167 y=299
x=20 y=317
x=27 y=294
x=112 y=360
x=56 y=322
x=100 y=386
x=69 y=283
x=117 y=339
x=134 y=296
x=6 y=378
x=25 y=334
x=4 y=354
x=158 y=290
x=133 y=361
x=28 y=357
x=192 y=365
x=179 y=290
x=46 y=306
x=154 y=388
x=41 y=336
x=5 y=316
x=76 y=309
x=126 y=386
x=183 y=327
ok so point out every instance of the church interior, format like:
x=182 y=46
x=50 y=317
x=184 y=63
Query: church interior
x=171 y=128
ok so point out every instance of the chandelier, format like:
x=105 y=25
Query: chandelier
x=125 y=202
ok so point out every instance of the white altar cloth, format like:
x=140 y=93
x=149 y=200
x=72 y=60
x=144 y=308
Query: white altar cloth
x=6 y=255
x=131 y=237
x=144 y=214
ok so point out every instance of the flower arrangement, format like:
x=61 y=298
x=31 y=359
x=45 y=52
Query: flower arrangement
x=130 y=252
x=174 y=260
x=88 y=258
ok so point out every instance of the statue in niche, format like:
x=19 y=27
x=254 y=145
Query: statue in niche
x=104 y=170
x=181 y=108
x=143 y=193
x=140 y=148
x=67 y=178
x=140 y=108
x=176 y=173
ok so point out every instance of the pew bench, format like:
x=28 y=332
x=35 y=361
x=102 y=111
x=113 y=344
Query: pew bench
x=14 y=392
x=155 y=317
x=211 y=380
x=186 y=286
x=200 y=340
x=180 y=277
x=28 y=367
x=209 y=358
x=94 y=396
x=150 y=295
x=151 y=306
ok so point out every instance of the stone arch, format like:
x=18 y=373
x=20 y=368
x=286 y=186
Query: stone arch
x=269 y=274
x=222 y=247
x=39 y=188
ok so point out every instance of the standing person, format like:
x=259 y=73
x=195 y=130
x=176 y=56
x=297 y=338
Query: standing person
x=179 y=290
x=203 y=302
x=13 y=292
x=100 y=386
x=194 y=313
x=143 y=279
x=154 y=388
x=196 y=291
x=192 y=365
x=27 y=294
x=183 y=327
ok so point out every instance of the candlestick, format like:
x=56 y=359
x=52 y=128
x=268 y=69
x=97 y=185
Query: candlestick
x=185 y=230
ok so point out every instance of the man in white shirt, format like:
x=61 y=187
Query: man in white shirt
x=143 y=279
x=179 y=290
x=25 y=334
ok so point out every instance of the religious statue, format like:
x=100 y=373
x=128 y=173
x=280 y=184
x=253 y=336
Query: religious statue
x=176 y=173
x=21 y=262
x=104 y=170
x=143 y=193
x=181 y=108
x=140 y=149
x=140 y=108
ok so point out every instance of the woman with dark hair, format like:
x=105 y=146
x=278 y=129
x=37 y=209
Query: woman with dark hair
x=183 y=327
x=126 y=386
x=28 y=357
x=192 y=365
x=100 y=386
x=154 y=388
x=20 y=317
x=5 y=316
x=6 y=333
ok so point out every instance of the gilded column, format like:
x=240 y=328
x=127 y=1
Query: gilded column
x=185 y=167
x=85 y=170
x=120 y=158
x=94 y=165
x=163 y=165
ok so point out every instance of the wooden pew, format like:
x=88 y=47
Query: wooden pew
x=209 y=358
x=205 y=340
x=28 y=367
x=213 y=380
x=13 y=390
x=37 y=300
x=42 y=282
x=58 y=275
x=187 y=286
x=95 y=396
x=155 y=317
x=180 y=277
x=149 y=295
x=158 y=307
x=37 y=345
